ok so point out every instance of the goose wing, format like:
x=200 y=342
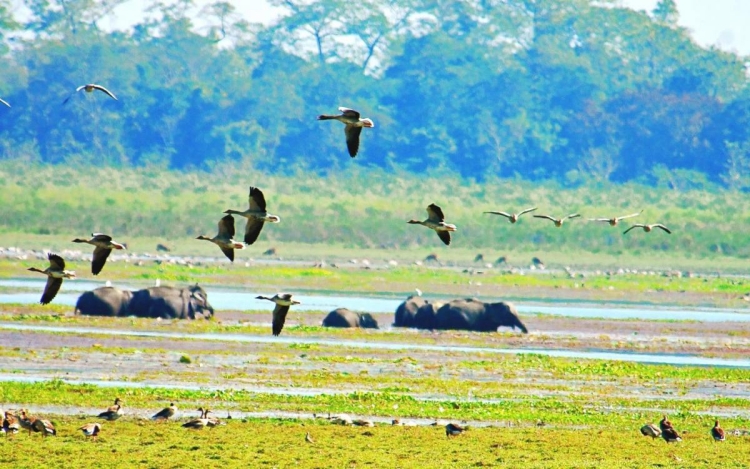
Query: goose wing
x=252 y=230
x=226 y=227
x=105 y=90
x=257 y=200
x=279 y=316
x=444 y=236
x=50 y=290
x=101 y=237
x=229 y=252
x=345 y=111
x=634 y=226
x=629 y=216
x=527 y=211
x=4 y=102
x=606 y=220
x=352 y=138
x=100 y=258
x=659 y=225
x=503 y=214
x=56 y=262
x=573 y=215
x=546 y=217
x=435 y=213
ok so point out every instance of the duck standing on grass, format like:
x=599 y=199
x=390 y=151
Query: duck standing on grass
x=650 y=430
x=436 y=221
x=165 y=414
x=36 y=425
x=55 y=274
x=717 y=432
x=453 y=429
x=91 y=430
x=113 y=412
x=200 y=423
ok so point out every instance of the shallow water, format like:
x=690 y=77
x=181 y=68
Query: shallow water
x=667 y=359
x=242 y=300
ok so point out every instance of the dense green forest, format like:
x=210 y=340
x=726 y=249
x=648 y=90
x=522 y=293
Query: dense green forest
x=575 y=90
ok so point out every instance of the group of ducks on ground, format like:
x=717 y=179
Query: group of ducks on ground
x=667 y=431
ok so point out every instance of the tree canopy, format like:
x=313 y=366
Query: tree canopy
x=576 y=90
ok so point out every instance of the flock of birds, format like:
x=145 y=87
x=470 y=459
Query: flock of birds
x=667 y=431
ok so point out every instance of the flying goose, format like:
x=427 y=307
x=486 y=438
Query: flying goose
x=165 y=414
x=103 y=246
x=200 y=423
x=113 y=412
x=453 y=429
x=558 y=221
x=224 y=239
x=614 y=221
x=353 y=128
x=436 y=221
x=648 y=228
x=650 y=430
x=90 y=89
x=10 y=424
x=513 y=217
x=717 y=432
x=36 y=425
x=256 y=215
x=4 y=102
x=283 y=302
x=55 y=274
x=91 y=430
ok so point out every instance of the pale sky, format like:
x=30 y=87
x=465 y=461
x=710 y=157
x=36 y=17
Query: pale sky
x=721 y=23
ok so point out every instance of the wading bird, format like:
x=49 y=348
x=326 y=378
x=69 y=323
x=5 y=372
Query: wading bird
x=283 y=302
x=513 y=217
x=614 y=221
x=353 y=127
x=224 y=239
x=90 y=88
x=256 y=215
x=91 y=430
x=55 y=274
x=436 y=221
x=103 y=246
x=558 y=221
x=648 y=228
x=165 y=414
x=113 y=412
x=717 y=432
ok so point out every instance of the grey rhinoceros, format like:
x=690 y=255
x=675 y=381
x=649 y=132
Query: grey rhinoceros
x=170 y=303
x=474 y=315
x=104 y=301
x=343 y=317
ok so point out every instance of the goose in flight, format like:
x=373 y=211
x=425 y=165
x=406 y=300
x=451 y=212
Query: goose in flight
x=283 y=302
x=615 y=220
x=103 y=247
x=256 y=215
x=224 y=239
x=55 y=274
x=648 y=228
x=2 y=101
x=90 y=88
x=436 y=221
x=558 y=221
x=513 y=217
x=353 y=127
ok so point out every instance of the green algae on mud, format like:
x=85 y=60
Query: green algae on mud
x=281 y=443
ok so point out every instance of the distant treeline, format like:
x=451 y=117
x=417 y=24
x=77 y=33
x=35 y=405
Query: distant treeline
x=574 y=90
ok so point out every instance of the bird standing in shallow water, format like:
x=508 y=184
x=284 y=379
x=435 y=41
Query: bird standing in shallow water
x=717 y=432
x=256 y=215
x=90 y=88
x=353 y=128
x=283 y=302
x=55 y=274
x=513 y=217
x=225 y=238
x=103 y=246
x=436 y=221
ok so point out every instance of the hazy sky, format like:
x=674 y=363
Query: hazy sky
x=722 y=23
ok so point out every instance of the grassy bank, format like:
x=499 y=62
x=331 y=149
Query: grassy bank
x=366 y=208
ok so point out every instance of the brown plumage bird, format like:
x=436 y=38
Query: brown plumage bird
x=90 y=88
x=453 y=429
x=648 y=228
x=200 y=423
x=650 y=430
x=615 y=220
x=256 y=215
x=225 y=238
x=10 y=424
x=103 y=246
x=668 y=432
x=513 y=217
x=283 y=302
x=558 y=221
x=436 y=221
x=717 y=432
x=165 y=414
x=36 y=425
x=91 y=430
x=353 y=127
x=55 y=274
x=113 y=412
